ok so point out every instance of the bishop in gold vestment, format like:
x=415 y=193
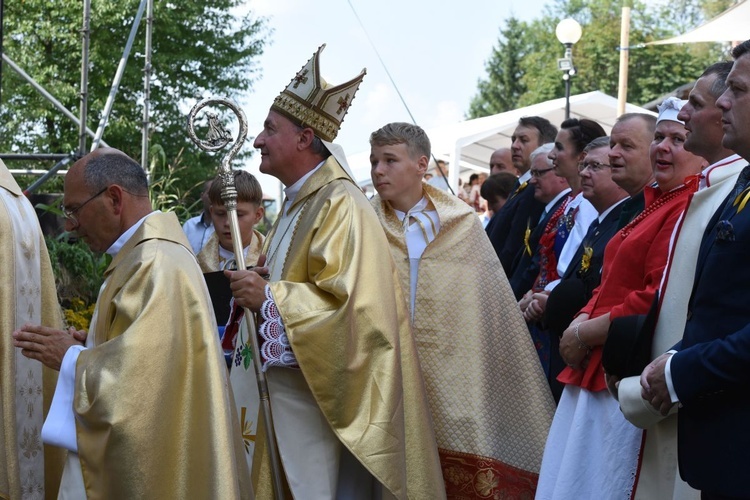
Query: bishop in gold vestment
x=27 y=295
x=349 y=407
x=490 y=403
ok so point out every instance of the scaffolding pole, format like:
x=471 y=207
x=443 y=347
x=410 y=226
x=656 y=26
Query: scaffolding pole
x=85 y=38
x=2 y=23
x=147 y=84
x=118 y=76
x=65 y=111
x=51 y=172
x=33 y=156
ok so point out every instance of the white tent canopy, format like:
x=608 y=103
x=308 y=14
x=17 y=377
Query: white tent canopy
x=474 y=141
x=732 y=25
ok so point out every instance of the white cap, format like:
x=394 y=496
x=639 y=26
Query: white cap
x=669 y=109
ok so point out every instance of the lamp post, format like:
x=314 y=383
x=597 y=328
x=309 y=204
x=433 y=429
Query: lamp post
x=568 y=31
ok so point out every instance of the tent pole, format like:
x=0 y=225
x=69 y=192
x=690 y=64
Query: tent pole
x=622 y=88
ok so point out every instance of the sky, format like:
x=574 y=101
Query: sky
x=434 y=50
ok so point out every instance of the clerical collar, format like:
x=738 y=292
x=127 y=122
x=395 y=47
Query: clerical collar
x=124 y=237
x=425 y=219
x=225 y=255
x=525 y=177
x=292 y=191
x=418 y=207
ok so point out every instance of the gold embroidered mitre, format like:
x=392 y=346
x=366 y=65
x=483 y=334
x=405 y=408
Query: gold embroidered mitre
x=312 y=102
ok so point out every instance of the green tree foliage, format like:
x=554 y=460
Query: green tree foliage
x=199 y=49
x=78 y=271
x=501 y=90
x=653 y=70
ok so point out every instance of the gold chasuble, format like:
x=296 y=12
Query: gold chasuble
x=28 y=470
x=154 y=417
x=491 y=405
x=337 y=291
x=210 y=261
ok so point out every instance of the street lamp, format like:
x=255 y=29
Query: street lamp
x=568 y=31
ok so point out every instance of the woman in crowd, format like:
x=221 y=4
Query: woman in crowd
x=592 y=451
x=564 y=230
x=560 y=241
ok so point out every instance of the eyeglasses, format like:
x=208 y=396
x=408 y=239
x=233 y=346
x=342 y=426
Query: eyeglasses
x=540 y=173
x=71 y=214
x=593 y=166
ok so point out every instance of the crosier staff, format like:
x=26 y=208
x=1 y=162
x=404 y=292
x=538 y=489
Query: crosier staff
x=218 y=138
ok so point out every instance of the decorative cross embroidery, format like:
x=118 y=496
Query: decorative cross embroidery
x=301 y=77
x=343 y=103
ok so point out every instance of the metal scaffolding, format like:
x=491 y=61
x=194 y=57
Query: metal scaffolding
x=80 y=120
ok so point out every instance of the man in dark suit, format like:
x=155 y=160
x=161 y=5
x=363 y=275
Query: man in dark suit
x=607 y=197
x=550 y=190
x=584 y=272
x=708 y=372
x=507 y=228
x=629 y=159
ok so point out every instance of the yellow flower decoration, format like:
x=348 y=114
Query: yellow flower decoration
x=526 y=237
x=79 y=315
x=742 y=199
x=588 y=252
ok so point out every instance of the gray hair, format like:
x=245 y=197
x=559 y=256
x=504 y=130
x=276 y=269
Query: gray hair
x=115 y=168
x=597 y=143
x=316 y=146
x=544 y=149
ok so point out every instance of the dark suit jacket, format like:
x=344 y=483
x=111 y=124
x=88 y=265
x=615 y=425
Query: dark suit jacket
x=631 y=208
x=525 y=266
x=711 y=371
x=508 y=227
x=607 y=228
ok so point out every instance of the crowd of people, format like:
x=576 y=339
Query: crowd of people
x=572 y=326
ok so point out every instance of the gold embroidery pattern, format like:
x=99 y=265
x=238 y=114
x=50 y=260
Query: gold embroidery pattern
x=343 y=103
x=487 y=481
x=29 y=391
x=31 y=443
x=247 y=433
x=32 y=488
x=300 y=78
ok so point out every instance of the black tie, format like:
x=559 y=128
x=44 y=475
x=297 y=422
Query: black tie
x=592 y=231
